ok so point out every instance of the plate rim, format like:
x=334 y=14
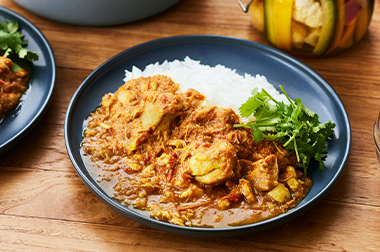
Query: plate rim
x=38 y=113
x=199 y=231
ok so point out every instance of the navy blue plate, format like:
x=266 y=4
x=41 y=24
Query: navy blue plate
x=18 y=123
x=246 y=57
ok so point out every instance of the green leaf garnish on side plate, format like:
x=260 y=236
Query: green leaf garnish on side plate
x=12 y=43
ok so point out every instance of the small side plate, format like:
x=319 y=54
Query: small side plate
x=19 y=122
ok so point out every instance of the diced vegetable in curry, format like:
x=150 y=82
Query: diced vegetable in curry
x=159 y=150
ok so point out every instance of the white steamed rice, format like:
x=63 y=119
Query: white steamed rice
x=221 y=86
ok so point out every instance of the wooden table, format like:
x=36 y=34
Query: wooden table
x=44 y=205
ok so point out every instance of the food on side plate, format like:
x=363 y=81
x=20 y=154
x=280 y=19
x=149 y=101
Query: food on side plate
x=12 y=85
x=314 y=26
x=14 y=71
x=173 y=152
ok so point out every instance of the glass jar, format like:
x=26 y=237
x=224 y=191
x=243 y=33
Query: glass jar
x=311 y=27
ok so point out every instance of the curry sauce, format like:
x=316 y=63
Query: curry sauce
x=159 y=150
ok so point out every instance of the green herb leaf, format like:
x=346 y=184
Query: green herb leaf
x=297 y=127
x=12 y=43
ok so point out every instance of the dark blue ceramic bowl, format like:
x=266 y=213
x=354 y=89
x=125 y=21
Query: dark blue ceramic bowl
x=18 y=123
x=246 y=57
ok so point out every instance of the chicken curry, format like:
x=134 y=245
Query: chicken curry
x=12 y=85
x=159 y=150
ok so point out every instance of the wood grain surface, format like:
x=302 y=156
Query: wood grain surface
x=44 y=205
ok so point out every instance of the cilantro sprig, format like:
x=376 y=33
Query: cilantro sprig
x=12 y=42
x=297 y=127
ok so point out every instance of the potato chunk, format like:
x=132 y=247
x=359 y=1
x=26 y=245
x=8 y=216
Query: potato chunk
x=151 y=116
x=280 y=193
x=215 y=164
x=289 y=177
x=124 y=96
